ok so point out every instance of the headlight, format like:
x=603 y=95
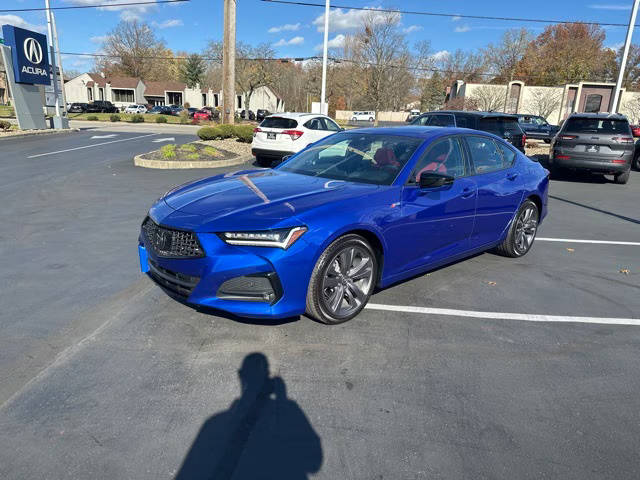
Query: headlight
x=280 y=238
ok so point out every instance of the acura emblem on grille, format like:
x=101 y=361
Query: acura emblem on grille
x=163 y=240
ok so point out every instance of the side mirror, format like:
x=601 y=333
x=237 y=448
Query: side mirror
x=435 y=180
x=285 y=158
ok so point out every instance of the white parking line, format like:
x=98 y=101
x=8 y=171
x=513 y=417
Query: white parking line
x=577 y=240
x=92 y=145
x=523 y=317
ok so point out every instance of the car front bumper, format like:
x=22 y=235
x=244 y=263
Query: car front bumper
x=233 y=278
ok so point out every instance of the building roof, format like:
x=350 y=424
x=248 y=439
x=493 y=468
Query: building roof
x=157 y=89
x=116 y=82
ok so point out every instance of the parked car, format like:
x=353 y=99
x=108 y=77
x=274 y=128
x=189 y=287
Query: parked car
x=503 y=125
x=362 y=209
x=203 y=114
x=537 y=127
x=247 y=115
x=284 y=134
x=160 y=110
x=600 y=143
x=101 y=106
x=363 y=116
x=136 y=109
x=635 y=130
x=78 y=107
x=192 y=111
x=176 y=109
x=413 y=114
x=261 y=114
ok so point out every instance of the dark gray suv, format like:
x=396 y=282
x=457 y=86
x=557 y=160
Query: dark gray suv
x=594 y=142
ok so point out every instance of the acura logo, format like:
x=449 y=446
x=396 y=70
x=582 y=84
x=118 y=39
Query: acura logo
x=33 y=50
x=163 y=240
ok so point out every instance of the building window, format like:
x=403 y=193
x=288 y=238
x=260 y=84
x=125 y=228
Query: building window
x=174 y=98
x=101 y=93
x=592 y=103
x=216 y=101
x=239 y=97
x=1 y=95
x=204 y=99
x=119 y=95
x=89 y=94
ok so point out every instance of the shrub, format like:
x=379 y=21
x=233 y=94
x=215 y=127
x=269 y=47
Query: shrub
x=209 y=133
x=161 y=119
x=188 y=147
x=92 y=118
x=168 y=151
x=114 y=117
x=184 y=117
x=137 y=118
x=244 y=133
x=193 y=156
x=226 y=131
x=210 y=151
x=5 y=126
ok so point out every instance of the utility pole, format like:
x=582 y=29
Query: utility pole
x=325 y=50
x=58 y=119
x=625 y=53
x=229 y=62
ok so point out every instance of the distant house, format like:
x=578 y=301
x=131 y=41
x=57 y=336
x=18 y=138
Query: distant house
x=121 y=91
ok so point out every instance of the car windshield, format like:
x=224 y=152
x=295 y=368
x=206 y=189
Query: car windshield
x=499 y=125
x=278 y=122
x=355 y=157
x=596 y=125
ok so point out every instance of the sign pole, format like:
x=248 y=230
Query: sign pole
x=53 y=58
x=325 y=49
x=625 y=53
x=59 y=60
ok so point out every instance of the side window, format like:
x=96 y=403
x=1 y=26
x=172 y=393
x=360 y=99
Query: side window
x=508 y=155
x=329 y=125
x=314 y=124
x=463 y=122
x=444 y=156
x=422 y=120
x=484 y=154
x=442 y=121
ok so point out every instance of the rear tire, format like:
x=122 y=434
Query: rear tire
x=522 y=231
x=622 y=178
x=547 y=140
x=636 y=162
x=354 y=119
x=342 y=280
x=371 y=119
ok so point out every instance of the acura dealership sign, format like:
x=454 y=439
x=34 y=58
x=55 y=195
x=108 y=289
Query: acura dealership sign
x=29 y=55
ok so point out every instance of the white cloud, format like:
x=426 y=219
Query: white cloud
x=412 y=28
x=462 y=29
x=173 y=22
x=288 y=27
x=610 y=7
x=99 y=39
x=335 y=42
x=127 y=12
x=20 y=22
x=616 y=46
x=440 y=55
x=294 y=41
x=341 y=20
x=456 y=18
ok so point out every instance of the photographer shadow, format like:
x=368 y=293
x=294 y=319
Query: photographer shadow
x=262 y=435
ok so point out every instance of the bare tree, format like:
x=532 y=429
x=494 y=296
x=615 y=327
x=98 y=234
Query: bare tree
x=502 y=59
x=543 y=101
x=631 y=108
x=489 y=97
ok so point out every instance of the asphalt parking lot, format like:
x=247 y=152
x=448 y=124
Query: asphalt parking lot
x=488 y=368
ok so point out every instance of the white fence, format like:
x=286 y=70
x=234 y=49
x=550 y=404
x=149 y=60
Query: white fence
x=346 y=115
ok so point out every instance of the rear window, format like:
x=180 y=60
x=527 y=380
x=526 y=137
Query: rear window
x=596 y=125
x=498 y=126
x=279 y=122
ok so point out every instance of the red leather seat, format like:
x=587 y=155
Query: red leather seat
x=385 y=156
x=436 y=166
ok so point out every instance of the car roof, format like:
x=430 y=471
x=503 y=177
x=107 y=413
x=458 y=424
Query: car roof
x=473 y=113
x=415 y=131
x=295 y=115
x=602 y=115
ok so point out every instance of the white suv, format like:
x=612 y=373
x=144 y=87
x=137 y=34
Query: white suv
x=363 y=116
x=135 y=109
x=283 y=134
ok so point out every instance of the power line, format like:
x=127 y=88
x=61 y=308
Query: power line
x=103 y=5
x=450 y=15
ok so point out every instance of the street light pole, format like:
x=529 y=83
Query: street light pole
x=325 y=50
x=625 y=53
x=229 y=62
x=53 y=60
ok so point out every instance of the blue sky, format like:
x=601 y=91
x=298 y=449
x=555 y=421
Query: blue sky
x=296 y=31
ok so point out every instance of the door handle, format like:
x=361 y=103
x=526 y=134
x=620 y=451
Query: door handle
x=512 y=176
x=468 y=192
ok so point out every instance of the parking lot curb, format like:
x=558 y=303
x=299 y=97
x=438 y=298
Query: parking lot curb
x=38 y=132
x=138 y=161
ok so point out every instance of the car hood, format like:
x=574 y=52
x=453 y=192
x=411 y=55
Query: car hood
x=255 y=199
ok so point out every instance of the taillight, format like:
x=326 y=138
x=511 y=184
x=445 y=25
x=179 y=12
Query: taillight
x=524 y=139
x=256 y=130
x=568 y=137
x=619 y=160
x=294 y=134
x=562 y=157
x=623 y=139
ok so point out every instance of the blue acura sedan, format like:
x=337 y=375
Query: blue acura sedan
x=358 y=210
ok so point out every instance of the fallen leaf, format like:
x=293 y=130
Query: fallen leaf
x=571 y=250
x=625 y=271
x=491 y=283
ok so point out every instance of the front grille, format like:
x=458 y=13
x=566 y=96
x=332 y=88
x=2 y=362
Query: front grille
x=167 y=242
x=177 y=283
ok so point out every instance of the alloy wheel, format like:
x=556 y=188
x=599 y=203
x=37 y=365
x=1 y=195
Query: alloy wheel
x=347 y=281
x=526 y=227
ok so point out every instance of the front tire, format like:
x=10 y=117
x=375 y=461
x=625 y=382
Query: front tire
x=522 y=231
x=342 y=280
